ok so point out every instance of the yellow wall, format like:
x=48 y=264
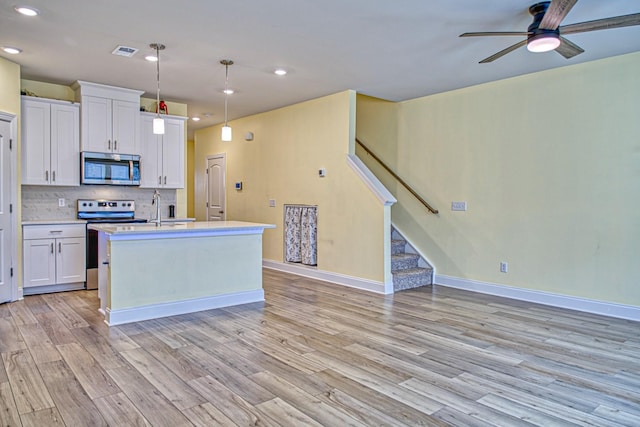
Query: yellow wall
x=548 y=164
x=282 y=163
x=48 y=90
x=9 y=87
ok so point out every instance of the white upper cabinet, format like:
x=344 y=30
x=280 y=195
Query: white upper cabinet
x=110 y=118
x=50 y=142
x=162 y=156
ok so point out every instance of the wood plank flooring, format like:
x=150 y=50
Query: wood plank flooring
x=318 y=354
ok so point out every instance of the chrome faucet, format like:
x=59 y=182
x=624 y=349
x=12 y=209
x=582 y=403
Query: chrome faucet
x=156 y=201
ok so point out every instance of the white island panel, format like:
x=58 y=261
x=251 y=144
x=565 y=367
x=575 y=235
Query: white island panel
x=161 y=271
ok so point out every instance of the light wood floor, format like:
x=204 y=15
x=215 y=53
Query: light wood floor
x=319 y=354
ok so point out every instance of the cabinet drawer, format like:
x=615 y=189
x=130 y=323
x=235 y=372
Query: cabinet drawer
x=53 y=231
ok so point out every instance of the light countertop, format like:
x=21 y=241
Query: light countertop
x=178 y=229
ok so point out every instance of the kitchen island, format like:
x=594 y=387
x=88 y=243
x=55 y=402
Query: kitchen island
x=148 y=271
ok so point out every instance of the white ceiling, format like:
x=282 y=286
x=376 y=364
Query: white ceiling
x=393 y=49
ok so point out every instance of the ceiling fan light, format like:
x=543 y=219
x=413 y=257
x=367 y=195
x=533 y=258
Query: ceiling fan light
x=543 y=43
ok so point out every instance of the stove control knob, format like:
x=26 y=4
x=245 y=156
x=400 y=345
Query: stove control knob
x=84 y=204
x=128 y=204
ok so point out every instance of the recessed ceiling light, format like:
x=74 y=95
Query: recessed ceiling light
x=195 y=119
x=11 y=50
x=228 y=91
x=151 y=58
x=27 y=10
x=280 y=72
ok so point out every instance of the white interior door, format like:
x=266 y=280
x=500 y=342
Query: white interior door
x=216 y=197
x=6 y=291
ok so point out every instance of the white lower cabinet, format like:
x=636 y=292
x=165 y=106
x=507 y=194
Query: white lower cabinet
x=54 y=257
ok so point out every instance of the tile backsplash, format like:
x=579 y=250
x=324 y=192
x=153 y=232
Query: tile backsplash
x=41 y=202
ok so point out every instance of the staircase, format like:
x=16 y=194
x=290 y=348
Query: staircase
x=409 y=269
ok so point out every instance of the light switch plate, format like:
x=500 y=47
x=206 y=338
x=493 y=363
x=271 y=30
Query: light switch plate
x=458 y=206
x=61 y=203
x=272 y=203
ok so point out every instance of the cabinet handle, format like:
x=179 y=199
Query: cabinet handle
x=115 y=145
x=59 y=247
x=53 y=176
x=52 y=248
x=159 y=180
x=46 y=176
x=109 y=144
x=55 y=231
x=165 y=180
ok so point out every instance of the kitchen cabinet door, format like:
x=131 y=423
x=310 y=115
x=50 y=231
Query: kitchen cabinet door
x=50 y=142
x=96 y=124
x=126 y=121
x=173 y=154
x=150 y=155
x=36 y=142
x=70 y=260
x=65 y=145
x=39 y=262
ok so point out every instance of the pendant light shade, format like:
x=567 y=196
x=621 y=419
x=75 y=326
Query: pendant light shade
x=158 y=126
x=226 y=133
x=158 y=122
x=226 y=129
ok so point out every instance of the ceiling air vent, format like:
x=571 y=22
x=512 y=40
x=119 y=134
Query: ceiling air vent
x=125 y=51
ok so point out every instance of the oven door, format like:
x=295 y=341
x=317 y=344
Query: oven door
x=92 y=259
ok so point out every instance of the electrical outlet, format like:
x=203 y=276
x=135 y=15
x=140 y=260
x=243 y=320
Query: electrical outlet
x=61 y=203
x=458 y=206
x=504 y=267
x=272 y=203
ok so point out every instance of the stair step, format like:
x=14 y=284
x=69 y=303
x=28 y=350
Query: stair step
x=404 y=261
x=412 y=278
x=398 y=246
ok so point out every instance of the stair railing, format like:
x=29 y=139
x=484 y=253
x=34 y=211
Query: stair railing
x=400 y=180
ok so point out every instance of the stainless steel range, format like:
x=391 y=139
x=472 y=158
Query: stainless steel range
x=103 y=211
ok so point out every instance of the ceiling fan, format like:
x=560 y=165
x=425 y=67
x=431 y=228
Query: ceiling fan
x=545 y=32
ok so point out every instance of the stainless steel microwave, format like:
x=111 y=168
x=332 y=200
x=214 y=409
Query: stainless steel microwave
x=110 y=168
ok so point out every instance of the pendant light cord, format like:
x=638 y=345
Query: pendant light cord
x=226 y=91
x=158 y=79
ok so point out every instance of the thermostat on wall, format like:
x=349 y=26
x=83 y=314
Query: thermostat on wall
x=239 y=185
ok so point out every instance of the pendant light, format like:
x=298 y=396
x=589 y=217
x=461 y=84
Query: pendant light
x=226 y=129
x=158 y=122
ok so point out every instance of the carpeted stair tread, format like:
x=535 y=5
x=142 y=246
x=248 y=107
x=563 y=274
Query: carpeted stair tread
x=412 y=278
x=404 y=261
x=398 y=246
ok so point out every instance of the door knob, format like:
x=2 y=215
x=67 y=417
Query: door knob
x=221 y=212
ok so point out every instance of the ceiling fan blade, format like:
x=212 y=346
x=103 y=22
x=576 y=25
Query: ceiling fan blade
x=496 y=33
x=568 y=49
x=556 y=12
x=602 y=24
x=503 y=52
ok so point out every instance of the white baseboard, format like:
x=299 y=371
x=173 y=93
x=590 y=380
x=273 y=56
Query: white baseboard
x=574 y=303
x=327 y=276
x=127 y=315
